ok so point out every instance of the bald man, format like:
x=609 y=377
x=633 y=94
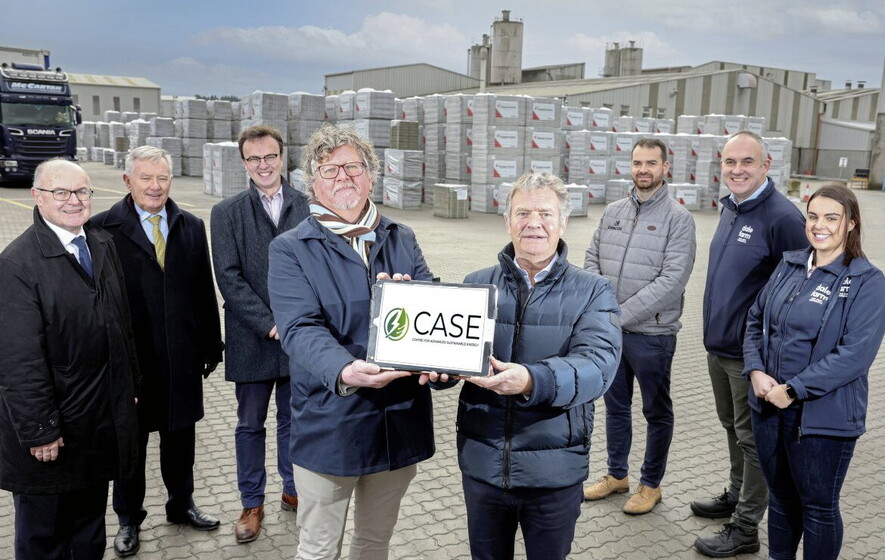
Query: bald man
x=67 y=372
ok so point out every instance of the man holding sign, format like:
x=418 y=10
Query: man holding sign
x=524 y=430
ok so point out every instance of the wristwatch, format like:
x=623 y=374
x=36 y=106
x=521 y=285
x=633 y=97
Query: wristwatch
x=790 y=391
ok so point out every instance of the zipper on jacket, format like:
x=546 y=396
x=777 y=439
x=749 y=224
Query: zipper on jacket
x=626 y=248
x=508 y=415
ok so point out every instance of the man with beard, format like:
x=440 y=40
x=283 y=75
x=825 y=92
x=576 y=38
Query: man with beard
x=645 y=245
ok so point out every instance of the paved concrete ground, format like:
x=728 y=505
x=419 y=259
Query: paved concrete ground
x=432 y=522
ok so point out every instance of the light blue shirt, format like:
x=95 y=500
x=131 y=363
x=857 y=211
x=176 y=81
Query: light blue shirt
x=148 y=227
x=541 y=273
x=756 y=194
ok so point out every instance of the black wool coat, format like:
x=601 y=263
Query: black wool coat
x=67 y=368
x=241 y=233
x=174 y=312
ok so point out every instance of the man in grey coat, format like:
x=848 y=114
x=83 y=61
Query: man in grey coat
x=645 y=245
x=242 y=228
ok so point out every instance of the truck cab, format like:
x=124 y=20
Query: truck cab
x=37 y=119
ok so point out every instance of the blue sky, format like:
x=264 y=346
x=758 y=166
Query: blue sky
x=223 y=47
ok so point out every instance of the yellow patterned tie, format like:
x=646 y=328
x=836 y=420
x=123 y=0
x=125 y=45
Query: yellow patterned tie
x=159 y=242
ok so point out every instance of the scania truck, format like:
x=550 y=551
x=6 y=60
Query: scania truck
x=37 y=117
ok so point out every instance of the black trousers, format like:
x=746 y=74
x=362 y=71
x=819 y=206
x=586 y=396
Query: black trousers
x=67 y=526
x=176 y=467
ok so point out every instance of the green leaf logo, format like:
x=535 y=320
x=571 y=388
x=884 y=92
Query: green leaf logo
x=396 y=324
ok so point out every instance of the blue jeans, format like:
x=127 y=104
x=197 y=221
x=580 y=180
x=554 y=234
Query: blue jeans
x=804 y=477
x=647 y=358
x=547 y=517
x=253 y=400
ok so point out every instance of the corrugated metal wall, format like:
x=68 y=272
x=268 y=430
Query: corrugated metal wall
x=404 y=81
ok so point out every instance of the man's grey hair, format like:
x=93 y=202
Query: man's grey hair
x=148 y=153
x=328 y=139
x=532 y=182
x=50 y=168
x=762 y=145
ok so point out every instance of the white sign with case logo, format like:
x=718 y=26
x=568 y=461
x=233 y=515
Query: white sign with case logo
x=428 y=326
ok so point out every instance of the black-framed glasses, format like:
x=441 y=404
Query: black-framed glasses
x=351 y=169
x=63 y=195
x=255 y=161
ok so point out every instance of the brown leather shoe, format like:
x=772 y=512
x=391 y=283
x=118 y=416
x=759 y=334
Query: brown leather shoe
x=643 y=500
x=606 y=485
x=249 y=524
x=289 y=503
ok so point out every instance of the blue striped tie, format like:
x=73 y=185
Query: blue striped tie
x=85 y=259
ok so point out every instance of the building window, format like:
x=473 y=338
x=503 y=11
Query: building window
x=136 y=104
x=96 y=105
x=662 y=113
x=646 y=112
x=116 y=103
x=608 y=105
x=625 y=110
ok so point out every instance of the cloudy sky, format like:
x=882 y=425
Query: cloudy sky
x=225 y=47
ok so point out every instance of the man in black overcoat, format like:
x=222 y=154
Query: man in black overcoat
x=243 y=226
x=68 y=372
x=165 y=258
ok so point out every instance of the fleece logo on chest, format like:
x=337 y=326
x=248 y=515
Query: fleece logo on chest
x=745 y=234
x=845 y=287
x=820 y=295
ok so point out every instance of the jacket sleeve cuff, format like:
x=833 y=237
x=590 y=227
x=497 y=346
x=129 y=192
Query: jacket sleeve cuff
x=542 y=385
x=799 y=387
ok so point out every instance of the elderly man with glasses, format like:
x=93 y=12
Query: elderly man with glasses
x=356 y=430
x=242 y=228
x=68 y=372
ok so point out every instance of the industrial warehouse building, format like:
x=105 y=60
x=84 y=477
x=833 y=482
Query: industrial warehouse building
x=824 y=125
x=96 y=94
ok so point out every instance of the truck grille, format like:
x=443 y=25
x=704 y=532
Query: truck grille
x=36 y=150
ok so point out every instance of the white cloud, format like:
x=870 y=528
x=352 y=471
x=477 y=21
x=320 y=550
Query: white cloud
x=840 y=19
x=383 y=39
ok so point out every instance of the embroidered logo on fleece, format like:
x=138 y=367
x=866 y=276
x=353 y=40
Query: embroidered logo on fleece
x=745 y=234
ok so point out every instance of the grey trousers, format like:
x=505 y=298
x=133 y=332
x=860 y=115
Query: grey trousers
x=730 y=391
x=322 y=512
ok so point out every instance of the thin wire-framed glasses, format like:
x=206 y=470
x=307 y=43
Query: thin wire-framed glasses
x=63 y=195
x=255 y=161
x=351 y=169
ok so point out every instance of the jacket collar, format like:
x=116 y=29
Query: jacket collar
x=660 y=194
x=316 y=231
x=856 y=267
x=749 y=205
x=51 y=247
x=507 y=258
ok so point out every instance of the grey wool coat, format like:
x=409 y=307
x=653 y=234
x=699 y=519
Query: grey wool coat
x=241 y=234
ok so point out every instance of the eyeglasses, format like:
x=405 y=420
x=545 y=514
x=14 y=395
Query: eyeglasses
x=255 y=161
x=63 y=195
x=351 y=169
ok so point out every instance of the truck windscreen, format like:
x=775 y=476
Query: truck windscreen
x=25 y=114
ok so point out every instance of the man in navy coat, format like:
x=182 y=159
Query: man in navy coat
x=242 y=228
x=165 y=258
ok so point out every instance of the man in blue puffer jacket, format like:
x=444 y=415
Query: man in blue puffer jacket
x=524 y=432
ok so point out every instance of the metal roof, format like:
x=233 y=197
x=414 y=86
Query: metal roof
x=840 y=94
x=117 y=81
x=397 y=66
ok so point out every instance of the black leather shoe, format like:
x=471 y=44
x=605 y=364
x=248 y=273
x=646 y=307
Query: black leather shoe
x=195 y=518
x=126 y=542
x=716 y=508
x=730 y=541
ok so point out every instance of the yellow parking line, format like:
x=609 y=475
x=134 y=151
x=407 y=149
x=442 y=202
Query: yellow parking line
x=28 y=206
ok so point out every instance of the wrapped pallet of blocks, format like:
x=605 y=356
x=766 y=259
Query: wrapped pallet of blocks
x=483 y=199
x=459 y=109
x=139 y=132
x=501 y=194
x=161 y=126
x=405 y=195
x=228 y=172
x=219 y=110
x=543 y=112
x=413 y=109
x=688 y=195
x=306 y=106
x=616 y=189
x=497 y=110
x=173 y=146
x=575 y=118
x=435 y=109
x=578 y=196
x=373 y=104
x=450 y=200
x=86 y=134
x=404 y=164
x=601 y=119
x=191 y=109
x=207 y=168
x=103 y=135
x=596 y=192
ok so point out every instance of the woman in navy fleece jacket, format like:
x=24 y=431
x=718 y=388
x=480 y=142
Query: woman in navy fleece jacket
x=811 y=337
